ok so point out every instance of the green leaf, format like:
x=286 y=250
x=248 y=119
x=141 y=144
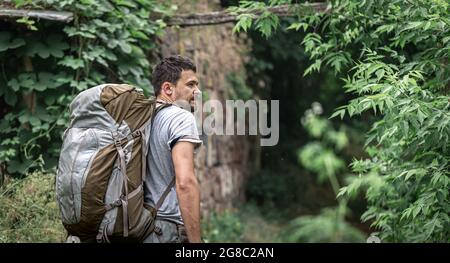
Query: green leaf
x=297 y=25
x=28 y=22
x=45 y=81
x=412 y=25
x=61 y=122
x=19 y=167
x=125 y=47
x=125 y=3
x=339 y=112
x=10 y=98
x=71 y=62
x=34 y=121
x=37 y=48
x=42 y=114
x=421 y=116
x=350 y=110
x=24 y=118
x=49 y=100
x=244 y=22
x=56 y=45
x=313 y=67
x=139 y=35
x=267 y=23
x=14 y=85
x=27 y=80
x=6 y=42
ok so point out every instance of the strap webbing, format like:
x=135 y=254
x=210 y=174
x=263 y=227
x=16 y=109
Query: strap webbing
x=118 y=203
x=124 y=199
x=164 y=195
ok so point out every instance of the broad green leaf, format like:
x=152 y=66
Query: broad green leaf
x=10 y=98
x=14 y=85
x=7 y=42
x=71 y=62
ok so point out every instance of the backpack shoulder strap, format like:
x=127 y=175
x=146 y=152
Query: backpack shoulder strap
x=164 y=195
x=156 y=109
x=172 y=183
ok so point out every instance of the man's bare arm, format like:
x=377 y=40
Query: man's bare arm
x=188 y=191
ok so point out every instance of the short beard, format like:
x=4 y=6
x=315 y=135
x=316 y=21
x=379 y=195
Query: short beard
x=186 y=105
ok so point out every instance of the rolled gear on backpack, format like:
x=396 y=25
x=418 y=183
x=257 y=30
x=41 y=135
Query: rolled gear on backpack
x=102 y=165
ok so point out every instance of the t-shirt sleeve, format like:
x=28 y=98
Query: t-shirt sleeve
x=183 y=127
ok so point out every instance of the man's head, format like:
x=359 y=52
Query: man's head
x=174 y=78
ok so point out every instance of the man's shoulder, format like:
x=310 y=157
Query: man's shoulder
x=175 y=112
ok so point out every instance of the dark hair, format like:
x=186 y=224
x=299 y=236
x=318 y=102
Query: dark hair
x=169 y=69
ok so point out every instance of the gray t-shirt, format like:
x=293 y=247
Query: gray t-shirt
x=171 y=125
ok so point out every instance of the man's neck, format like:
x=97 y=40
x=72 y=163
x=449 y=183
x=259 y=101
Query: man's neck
x=164 y=99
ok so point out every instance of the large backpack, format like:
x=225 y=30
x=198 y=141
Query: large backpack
x=99 y=184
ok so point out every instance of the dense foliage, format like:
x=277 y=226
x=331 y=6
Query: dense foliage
x=44 y=64
x=222 y=227
x=393 y=56
x=28 y=210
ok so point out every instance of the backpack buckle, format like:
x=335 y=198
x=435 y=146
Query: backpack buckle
x=136 y=133
x=73 y=239
x=116 y=139
x=158 y=230
x=117 y=142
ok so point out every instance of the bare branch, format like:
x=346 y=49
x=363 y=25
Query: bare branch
x=199 y=19
x=221 y=17
x=39 y=14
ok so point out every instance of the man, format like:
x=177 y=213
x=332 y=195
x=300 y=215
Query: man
x=172 y=141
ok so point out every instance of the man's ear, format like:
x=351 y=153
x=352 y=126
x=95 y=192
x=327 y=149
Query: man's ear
x=167 y=88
